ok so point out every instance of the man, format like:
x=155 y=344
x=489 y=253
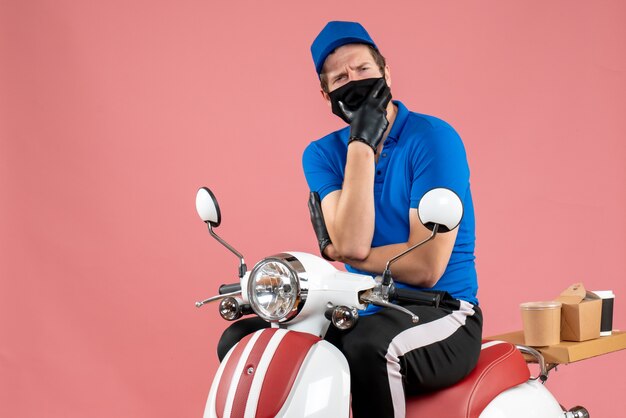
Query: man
x=366 y=181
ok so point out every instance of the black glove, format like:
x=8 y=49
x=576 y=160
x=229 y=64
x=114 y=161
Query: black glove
x=369 y=122
x=319 y=225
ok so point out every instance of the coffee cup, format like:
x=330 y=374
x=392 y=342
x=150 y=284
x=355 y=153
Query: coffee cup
x=606 y=320
x=542 y=323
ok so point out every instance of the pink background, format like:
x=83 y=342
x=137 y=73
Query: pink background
x=113 y=113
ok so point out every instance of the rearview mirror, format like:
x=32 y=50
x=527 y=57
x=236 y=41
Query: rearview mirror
x=207 y=207
x=440 y=207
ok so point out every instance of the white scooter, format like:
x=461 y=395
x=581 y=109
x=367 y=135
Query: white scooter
x=288 y=370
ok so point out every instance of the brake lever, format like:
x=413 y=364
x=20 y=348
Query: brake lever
x=376 y=300
x=218 y=297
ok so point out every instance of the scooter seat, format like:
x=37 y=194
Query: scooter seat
x=500 y=367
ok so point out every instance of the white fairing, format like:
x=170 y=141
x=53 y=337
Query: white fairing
x=322 y=388
x=530 y=399
x=326 y=285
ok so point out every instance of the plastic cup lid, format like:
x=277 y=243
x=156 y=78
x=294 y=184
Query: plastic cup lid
x=604 y=294
x=540 y=305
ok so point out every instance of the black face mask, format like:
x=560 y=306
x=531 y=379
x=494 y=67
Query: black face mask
x=352 y=95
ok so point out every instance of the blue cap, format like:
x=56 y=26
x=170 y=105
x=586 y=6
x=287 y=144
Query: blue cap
x=334 y=35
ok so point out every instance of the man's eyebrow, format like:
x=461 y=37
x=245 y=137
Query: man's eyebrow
x=359 y=65
x=332 y=76
x=336 y=75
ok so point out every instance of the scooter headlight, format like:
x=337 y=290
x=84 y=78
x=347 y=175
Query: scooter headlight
x=274 y=288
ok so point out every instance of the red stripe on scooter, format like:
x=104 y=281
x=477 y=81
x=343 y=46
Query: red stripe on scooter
x=282 y=372
x=245 y=380
x=227 y=376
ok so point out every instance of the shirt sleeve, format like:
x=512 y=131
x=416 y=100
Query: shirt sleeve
x=439 y=161
x=319 y=173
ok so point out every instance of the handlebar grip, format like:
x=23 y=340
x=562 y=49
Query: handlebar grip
x=416 y=296
x=229 y=288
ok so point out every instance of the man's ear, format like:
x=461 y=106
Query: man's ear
x=326 y=97
x=388 y=75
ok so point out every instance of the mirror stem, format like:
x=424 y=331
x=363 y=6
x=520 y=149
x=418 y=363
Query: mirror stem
x=242 y=264
x=387 y=273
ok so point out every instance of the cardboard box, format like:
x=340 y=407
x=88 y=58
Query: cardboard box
x=580 y=314
x=568 y=351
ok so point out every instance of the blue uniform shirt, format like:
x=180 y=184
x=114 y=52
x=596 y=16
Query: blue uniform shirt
x=421 y=152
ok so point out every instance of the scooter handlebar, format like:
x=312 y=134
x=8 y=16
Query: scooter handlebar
x=415 y=296
x=230 y=288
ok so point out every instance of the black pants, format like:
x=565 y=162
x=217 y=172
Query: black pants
x=389 y=356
